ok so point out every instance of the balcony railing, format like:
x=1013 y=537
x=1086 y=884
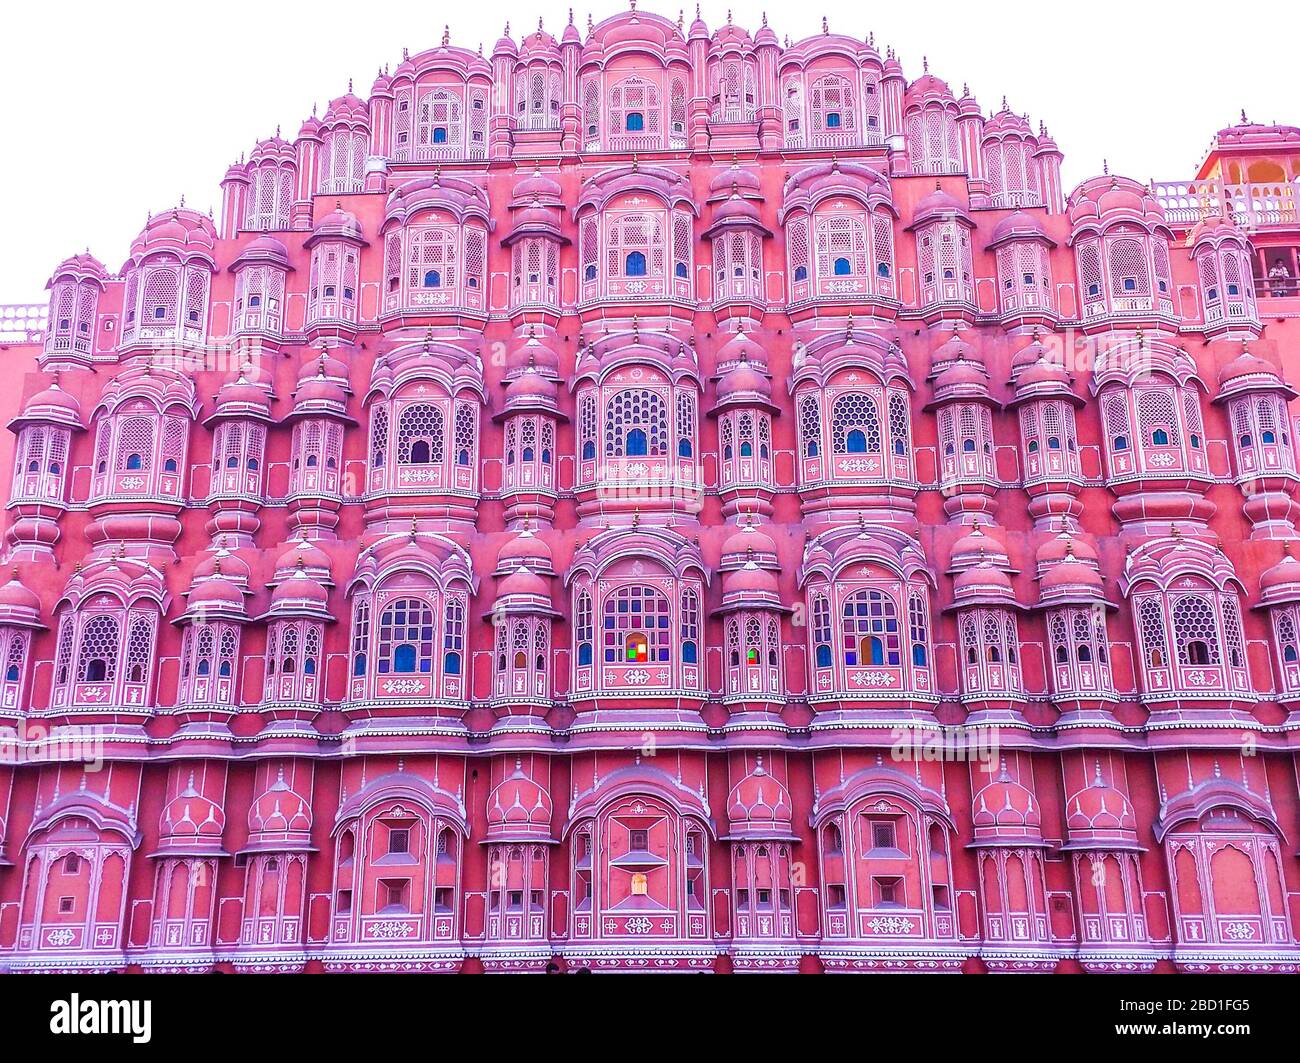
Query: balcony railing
x=1250 y=205
x=23 y=322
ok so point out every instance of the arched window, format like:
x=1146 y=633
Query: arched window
x=420 y=435
x=406 y=637
x=637 y=626
x=871 y=633
x=634 y=264
x=635 y=122
x=821 y=629
x=583 y=629
x=842 y=267
x=99 y=650
x=855 y=424
x=636 y=425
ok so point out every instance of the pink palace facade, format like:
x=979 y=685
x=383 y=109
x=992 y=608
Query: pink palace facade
x=525 y=523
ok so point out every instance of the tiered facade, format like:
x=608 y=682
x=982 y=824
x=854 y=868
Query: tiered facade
x=535 y=520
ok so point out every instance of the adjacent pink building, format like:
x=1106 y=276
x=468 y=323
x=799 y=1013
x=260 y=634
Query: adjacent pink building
x=527 y=524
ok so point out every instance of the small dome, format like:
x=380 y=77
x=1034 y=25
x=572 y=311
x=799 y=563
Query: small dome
x=525 y=549
x=519 y=808
x=537 y=186
x=300 y=592
x=339 y=224
x=264 y=249
x=759 y=806
x=1065 y=547
x=191 y=823
x=53 y=405
x=926 y=88
x=742 y=380
x=735 y=180
x=749 y=579
x=1247 y=368
x=19 y=605
x=1099 y=807
x=530 y=388
x=278 y=817
x=977 y=546
x=1005 y=811
x=1020 y=225
x=216 y=592
x=301 y=553
x=1071 y=576
x=749 y=540
x=524 y=581
x=242 y=397
x=1280 y=583
x=939 y=204
x=982 y=583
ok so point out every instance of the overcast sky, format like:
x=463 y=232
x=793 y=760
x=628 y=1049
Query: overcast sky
x=114 y=110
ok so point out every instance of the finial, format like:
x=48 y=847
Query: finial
x=826 y=28
x=925 y=63
x=349 y=86
x=446 y=36
x=1244 y=119
x=1105 y=167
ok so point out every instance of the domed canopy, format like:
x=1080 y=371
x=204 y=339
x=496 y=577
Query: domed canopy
x=734 y=180
x=241 y=398
x=301 y=553
x=191 y=824
x=1100 y=815
x=940 y=205
x=747 y=542
x=1102 y=201
x=180 y=231
x=1006 y=813
x=300 y=595
x=759 y=807
x=1248 y=373
x=525 y=549
x=928 y=89
x=79 y=267
x=531 y=390
x=214 y=598
x=744 y=385
x=1062 y=547
x=983 y=584
x=519 y=809
x=338 y=224
x=348 y=108
x=1280 y=584
x=19 y=605
x=53 y=406
x=750 y=586
x=279 y=820
x=524 y=582
x=1020 y=225
x=262 y=250
x=975 y=547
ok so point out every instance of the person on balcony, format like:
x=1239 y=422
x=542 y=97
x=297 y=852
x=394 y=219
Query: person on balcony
x=1279 y=279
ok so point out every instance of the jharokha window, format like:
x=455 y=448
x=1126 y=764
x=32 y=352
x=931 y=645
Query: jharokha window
x=408 y=645
x=871 y=641
x=642 y=634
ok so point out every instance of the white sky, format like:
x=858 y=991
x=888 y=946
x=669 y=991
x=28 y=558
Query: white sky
x=113 y=110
